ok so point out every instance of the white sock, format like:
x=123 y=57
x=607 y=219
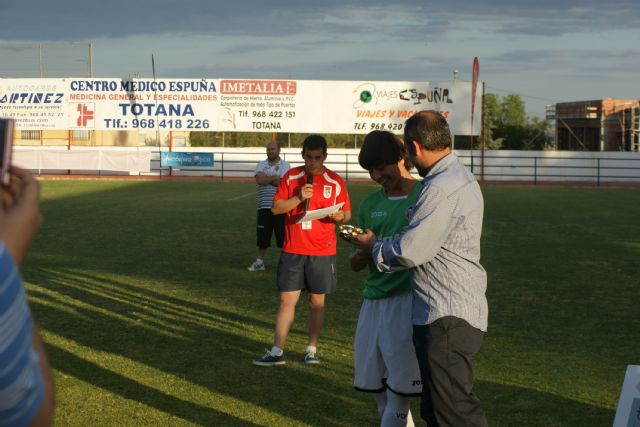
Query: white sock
x=396 y=412
x=311 y=349
x=259 y=260
x=276 y=351
x=381 y=401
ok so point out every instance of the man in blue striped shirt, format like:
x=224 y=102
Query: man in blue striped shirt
x=267 y=174
x=442 y=248
x=26 y=386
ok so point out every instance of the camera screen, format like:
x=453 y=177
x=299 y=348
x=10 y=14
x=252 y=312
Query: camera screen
x=3 y=137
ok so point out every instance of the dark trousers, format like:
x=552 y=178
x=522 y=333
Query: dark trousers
x=267 y=224
x=446 y=349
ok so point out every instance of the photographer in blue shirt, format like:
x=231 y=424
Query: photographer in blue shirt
x=26 y=384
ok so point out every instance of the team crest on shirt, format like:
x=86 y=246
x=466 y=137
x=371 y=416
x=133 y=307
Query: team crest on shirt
x=409 y=212
x=327 y=191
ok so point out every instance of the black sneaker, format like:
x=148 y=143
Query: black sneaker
x=269 y=359
x=311 y=358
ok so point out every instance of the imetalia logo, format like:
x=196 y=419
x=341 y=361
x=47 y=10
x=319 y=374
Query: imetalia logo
x=84 y=115
x=258 y=87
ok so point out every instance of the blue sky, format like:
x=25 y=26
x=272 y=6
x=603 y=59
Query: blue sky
x=546 y=51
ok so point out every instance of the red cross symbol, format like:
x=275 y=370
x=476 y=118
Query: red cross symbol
x=84 y=115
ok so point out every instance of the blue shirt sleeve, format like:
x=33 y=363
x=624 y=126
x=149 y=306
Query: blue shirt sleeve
x=428 y=228
x=21 y=385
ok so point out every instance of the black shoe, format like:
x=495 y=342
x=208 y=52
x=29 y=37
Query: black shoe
x=269 y=359
x=311 y=358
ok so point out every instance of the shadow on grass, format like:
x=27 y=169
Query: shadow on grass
x=206 y=346
x=184 y=238
x=91 y=373
x=129 y=300
x=195 y=341
x=508 y=405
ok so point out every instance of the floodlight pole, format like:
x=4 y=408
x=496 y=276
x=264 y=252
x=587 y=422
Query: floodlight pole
x=90 y=61
x=40 y=60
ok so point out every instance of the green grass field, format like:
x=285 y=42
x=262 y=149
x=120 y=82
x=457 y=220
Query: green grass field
x=150 y=317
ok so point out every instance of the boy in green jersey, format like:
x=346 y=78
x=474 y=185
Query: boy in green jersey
x=384 y=357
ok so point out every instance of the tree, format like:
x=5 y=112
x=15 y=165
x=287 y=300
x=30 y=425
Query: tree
x=513 y=111
x=492 y=116
x=538 y=138
x=507 y=126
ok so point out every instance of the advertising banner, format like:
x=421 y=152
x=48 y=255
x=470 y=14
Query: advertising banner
x=360 y=107
x=230 y=105
x=182 y=159
x=35 y=104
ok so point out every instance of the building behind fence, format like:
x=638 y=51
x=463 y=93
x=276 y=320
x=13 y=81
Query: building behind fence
x=599 y=125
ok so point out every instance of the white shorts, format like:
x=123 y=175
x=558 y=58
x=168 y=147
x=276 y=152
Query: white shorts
x=384 y=356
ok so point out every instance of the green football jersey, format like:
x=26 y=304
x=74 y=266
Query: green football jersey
x=387 y=217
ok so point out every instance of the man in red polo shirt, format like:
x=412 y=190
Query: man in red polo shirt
x=308 y=259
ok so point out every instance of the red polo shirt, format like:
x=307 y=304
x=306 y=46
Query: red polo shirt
x=317 y=237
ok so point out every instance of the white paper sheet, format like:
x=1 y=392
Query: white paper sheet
x=319 y=213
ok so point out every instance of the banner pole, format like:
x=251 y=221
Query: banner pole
x=155 y=122
x=482 y=137
x=474 y=85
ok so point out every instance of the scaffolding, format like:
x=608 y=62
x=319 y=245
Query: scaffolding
x=628 y=119
x=635 y=129
x=598 y=125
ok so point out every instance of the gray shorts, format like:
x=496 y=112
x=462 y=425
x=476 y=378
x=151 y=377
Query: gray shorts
x=315 y=274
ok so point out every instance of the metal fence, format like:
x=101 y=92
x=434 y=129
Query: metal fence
x=530 y=167
x=554 y=168
x=516 y=166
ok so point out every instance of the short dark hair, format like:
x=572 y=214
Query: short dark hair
x=381 y=148
x=313 y=142
x=429 y=128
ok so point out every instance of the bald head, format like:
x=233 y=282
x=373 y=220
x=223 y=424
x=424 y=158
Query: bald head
x=429 y=129
x=273 y=151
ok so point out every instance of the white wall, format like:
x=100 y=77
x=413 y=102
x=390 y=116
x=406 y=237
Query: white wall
x=526 y=166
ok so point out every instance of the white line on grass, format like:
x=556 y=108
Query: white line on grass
x=241 y=197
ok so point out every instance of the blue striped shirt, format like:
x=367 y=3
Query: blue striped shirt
x=266 y=192
x=442 y=247
x=21 y=386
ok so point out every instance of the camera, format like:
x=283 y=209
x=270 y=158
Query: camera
x=6 y=146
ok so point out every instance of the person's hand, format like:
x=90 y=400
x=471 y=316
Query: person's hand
x=365 y=241
x=337 y=216
x=359 y=260
x=20 y=216
x=306 y=191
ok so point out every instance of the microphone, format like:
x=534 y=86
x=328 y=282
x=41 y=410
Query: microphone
x=309 y=181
